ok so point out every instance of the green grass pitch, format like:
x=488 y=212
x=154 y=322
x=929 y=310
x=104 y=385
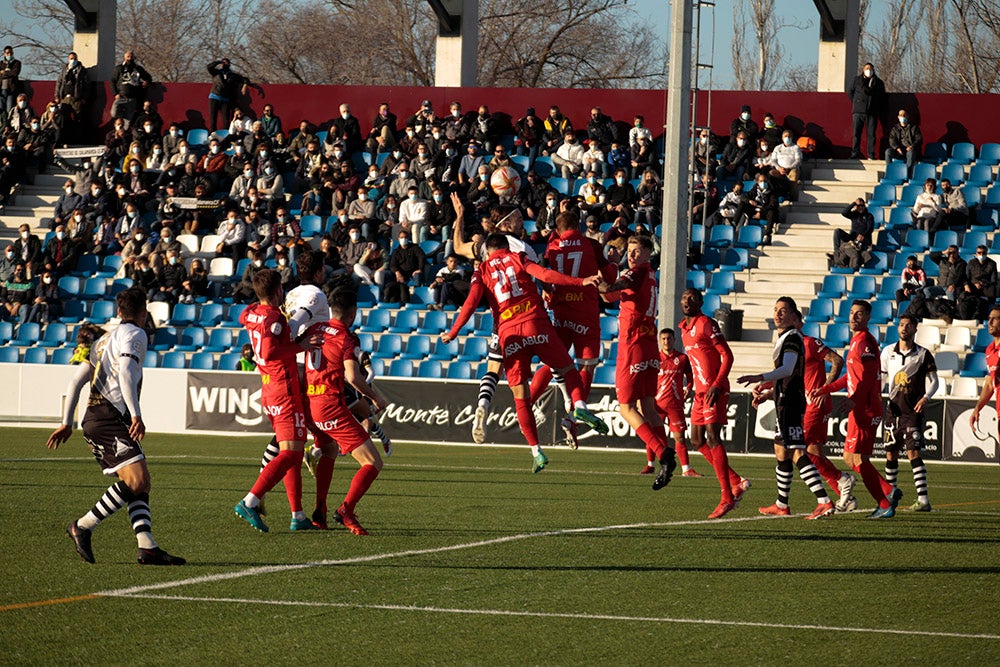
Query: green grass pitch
x=474 y=560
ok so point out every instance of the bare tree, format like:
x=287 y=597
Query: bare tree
x=51 y=18
x=760 y=64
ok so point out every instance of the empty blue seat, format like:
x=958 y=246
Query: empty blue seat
x=971 y=241
x=723 y=282
x=230 y=361
x=935 y=152
x=888 y=240
x=430 y=247
x=820 y=310
x=420 y=297
x=944 y=238
x=28 y=333
x=6 y=332
x=983 y=339
x=377 y=321
x=183 y=314
x=862 y=287
x=833 y=287
x=197 y=137
x=605 y=374
x=695 y=280
x=219 y=340
x=710 y=304
x=233 y=312
x=609 y=327
x=94 y=288
x=69 y=287
x=992 y=198
x=402 y=368
x=35 y=355
x=435 y=321
x=311 y=225
x=191 y=339
x=73 y=312
x=87 y=265
x=915 y=241
x=881 y=312
x=173 y=360
x=921 y=172
x=211 y=315
x=445 y=351
x=735 y=259
x=750 y=236
x=989 y=217
x=459 y=370
x=429 y=368
x=697 y=234
x=152 y=359
x=485 y=325
x=55 y=335
x=367 y=341
x=981 y=174
x=474 y=350
x=973 y=196
x=954 y=172
x=417 y=347
x=721 y=236
x=963 y=153
x=837 y=335
x=711 y=259
x=895 y=173
x=543 y=166
x=110 y=265
x=877 y=265
x=61 y=356
x=202 y=361
x=884 y=195
x=887 y=290
x=9 y=355
x=899 y=217
x=560 y=185
x=989 y=154
x=164 y=338
x=974 y=366
x=406 y=321
x=119 y=285
x=389 y=346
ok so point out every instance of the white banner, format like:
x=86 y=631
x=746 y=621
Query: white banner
x=192 y=203
x=88 y=151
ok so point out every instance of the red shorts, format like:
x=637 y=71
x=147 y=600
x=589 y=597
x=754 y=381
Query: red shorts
x=579 y=331
x=521 y=342
x=637 y=370
x=332 y=417
x=287 y=415
x=319 y=437
x=814 y=421
x=674 y=416
x=861 y=430
x=702 y=413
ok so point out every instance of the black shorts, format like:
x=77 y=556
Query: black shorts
x=106 y=431
x=788 y=424
x=904 y=431
x=351 y=395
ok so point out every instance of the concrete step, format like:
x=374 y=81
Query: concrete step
x=815 y=214
x=792 y=260
x=829 y=192
x=31 y=200
x=52 y=180
x=756 y=286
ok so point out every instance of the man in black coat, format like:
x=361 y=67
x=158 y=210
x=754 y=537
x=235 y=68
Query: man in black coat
x=129 y=82
x=867 y=93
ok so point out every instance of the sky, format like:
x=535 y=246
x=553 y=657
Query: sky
x=800 y=45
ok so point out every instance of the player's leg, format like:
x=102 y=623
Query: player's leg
x=366 y=454
x=286 y=465
x=487 y=388
x=892 y=440
x=136 y=477
x=678 y=425
x=857 y=454
x=782 y=477
x=809 y=474
x=923 y=502
x=581 y=412
x=668 y=456
x=517 y=370
x=540 y=382
x=362 y=409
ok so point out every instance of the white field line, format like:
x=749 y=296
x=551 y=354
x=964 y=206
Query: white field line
x=271 y=569
x=571 y=616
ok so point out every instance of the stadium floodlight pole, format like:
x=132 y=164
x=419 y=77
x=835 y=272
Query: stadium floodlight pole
x=674 y=230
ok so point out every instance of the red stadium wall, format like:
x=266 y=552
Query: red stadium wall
x=824 y=116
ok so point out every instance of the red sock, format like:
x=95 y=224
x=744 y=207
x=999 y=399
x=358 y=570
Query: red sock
x=293 y=487
x=682 y=453
x=574 y=386
x=587 y=378
x=275 y=470
x=324 y=476
x=827 y=470
x=650 y=454
x=652 y=440
x=540 y=381
x=363 y=479
x=706 y=451
x=720 y=462
x=874 y=483
x=526 y=418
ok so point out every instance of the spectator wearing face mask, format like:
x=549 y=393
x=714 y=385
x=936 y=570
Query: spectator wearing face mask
x=147 y=135
x=468 y=168
x=17 y=294
x=213 y=165
x=622 y=197
x=10 y=83
x=68 y=202
x=401 y=184
x=980 y=287
x=412 y=214
x=46 y=306
x=170 y=281
x=732 y=209
x=926 y=210
x=73 y=90
x=954 y=212
x=157 y=160
x=763 y=206
x=531 y=197
x=382 y=135
x=226 y=85
x=36 y=144
x=138 y=247
x=346 y=129
x=784 y=164
x=196 y=284
x=406 y=264
x=744 y=123
x=19 y=115
x=905 y=142
x=7 y=262
x=638 y=130
x=60 y=254
x=271 y=186
x=568 y=158
x=232 y=237
x=129 y=82
x=171 y=140
x=867 y=95
x=28 y=250
x=362 y=211
x=736 y=159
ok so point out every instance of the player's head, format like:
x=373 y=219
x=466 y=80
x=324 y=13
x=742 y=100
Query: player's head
x=691 y=302
x=861 y=312
x=786 y=313
x=638 y=250
x=496 y=242
x=267 y=286
x=907 y=327
x=310 y=267
x=993 y=322
x=132 y=306
x=343 y=305
x=507 y=219
x=666 y=340
x=566 y=221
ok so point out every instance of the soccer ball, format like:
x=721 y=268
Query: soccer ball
x=505 y=181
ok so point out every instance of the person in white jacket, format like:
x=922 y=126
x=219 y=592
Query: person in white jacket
x=569 y=156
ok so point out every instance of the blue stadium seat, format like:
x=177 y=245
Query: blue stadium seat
x=242 y=338
x=9 y=355
x=544 y=167
x=974 y=366
x=695 y=280
x=881 y=312
x=430 y=368
x=935 y=152
x=230 y=361
x=367 y=341
x=899 y=218
x=837 y=335
x=721 y=236
x=963 y=153
x=916 y=241
x=820 y=310
x=862 y=287
x=750 y=236
x=560 y=185
x=417 y=347
x=877 y=265
x=55 y=335
x=183 y=314
x=6 y=332
x=735 y=259
x=954 y=172
x=895 y=173
x=887 y=289
x=988 y=217
x=992 y=198
x=697 y=234
x=211 y=315
x=833 y=287
x=884 y=195
x=485 y=325
x=219 y=340
x=930 y=267
x=888 y=240
x=164 y=338
x=891 y=336
x=69 y=287
x=152 y=359
x=723 y=282
x=431 y=248
x=389 y=346
x=980 y=174
x=61 y=356
x=711 y=304
x=197 y=138
x=943 y=239
x=983 y=339
x=811 y=329
x=522 y=162
x=377 y=321
x=233 y=312
x=609 y=327
x=35 y=355
x=445 y=351
x=73 y=311
x=459 y=370
x=173 y=360
x=110 y=265
x=87 y=266
x=311 y=225
x=973 y=196
x=202 y=361
x=401 y=368
x=908 y=193
x=119 y=285
x=28 y=333
x=405 y=322
x=191 y=339
x=989 y=154
x=94 y=288
x=605 y=374
x=435 y=321
x=921 y=172
x=474 y=350
x=971 y=240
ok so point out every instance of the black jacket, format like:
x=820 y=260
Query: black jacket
x=867 y=95
x=862 y=223
x=126 y=80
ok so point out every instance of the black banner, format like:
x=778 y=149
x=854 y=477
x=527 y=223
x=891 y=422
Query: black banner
x=962 y=442
x=225 y=402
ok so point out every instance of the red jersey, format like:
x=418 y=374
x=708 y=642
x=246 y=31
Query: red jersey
x=274 y=350
x=862 y=377
x=325 y=365
x=707 y=350
x=993 y=367
x=506 y=279
x=637 y=312
x=675 y=376
x=573 y=254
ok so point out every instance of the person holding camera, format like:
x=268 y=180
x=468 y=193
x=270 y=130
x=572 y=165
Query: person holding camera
x=851 y=249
